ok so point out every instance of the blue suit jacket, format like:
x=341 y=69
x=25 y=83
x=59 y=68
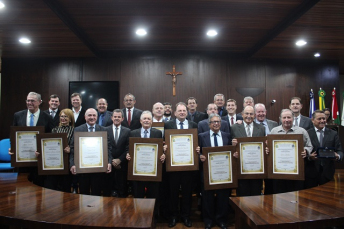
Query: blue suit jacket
x=107 y=121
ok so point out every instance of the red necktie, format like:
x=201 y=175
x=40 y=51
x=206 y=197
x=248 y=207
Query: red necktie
x=129 y=117
x=232 y=122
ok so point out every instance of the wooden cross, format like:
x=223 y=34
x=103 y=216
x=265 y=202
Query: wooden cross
x=174 y=78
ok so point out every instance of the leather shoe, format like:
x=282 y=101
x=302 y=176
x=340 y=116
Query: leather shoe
x=114 y=194
x=222 y=226
x=172 y=222
x=187 y=222
x=207 y=226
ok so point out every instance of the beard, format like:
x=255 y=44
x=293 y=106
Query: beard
x=167 y=114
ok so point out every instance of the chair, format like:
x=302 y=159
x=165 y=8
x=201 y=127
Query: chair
x=5 y=158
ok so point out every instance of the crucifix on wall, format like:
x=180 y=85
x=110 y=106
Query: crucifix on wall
x=174 y=78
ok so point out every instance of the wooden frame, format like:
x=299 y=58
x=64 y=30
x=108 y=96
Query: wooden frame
x=296 y=138
x=171 y=133
x=65 y=156
x=91 y=135
x=159 y=126
x=14 y=131
x=252 y=175
x=145 y=141
x=233 y=161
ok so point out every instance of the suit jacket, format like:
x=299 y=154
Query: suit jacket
x=154 y=133
x=83 y=128
x=56 y=119
x=305 y=122
x=224 y=112
x=81 y=118
x=173 y=125
x=120 y=149
x=226 y=118
x=331 y=139
x=238 y=130
x=135 y=121
x=271 y=124
x=44 y=119
x=107 y=121
x=198 y=116
x=204 y=139
x=203 y=126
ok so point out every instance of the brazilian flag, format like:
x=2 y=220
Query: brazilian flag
x=321 y=94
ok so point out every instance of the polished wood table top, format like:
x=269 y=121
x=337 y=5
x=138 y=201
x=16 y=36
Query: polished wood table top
x=310 y=208
x=23 y=204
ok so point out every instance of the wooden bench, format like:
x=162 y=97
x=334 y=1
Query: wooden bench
x=318 y=207
x=23 y=204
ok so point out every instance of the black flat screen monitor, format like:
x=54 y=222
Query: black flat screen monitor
x=91 y=91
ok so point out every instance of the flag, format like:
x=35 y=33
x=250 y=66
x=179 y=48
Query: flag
x=335 y=112
x=312 y=107
x=343 y=111
x=321 y=94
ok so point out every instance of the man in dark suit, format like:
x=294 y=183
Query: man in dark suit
x=183 y=179
x=203 y=125
x=131 y=114
x=248 y=187
x=232 y=117
x=78 y=111
x=53 y=111
x=104 y=116
x=299 y=120
x=168 y=110
x=193 y=114
x=116 y=182
x=90 y=183
x=219 y=100
x=215 y=210
x=248 y=101
x=321 y=170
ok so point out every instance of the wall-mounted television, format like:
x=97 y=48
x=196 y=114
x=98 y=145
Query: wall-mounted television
x=91 y=91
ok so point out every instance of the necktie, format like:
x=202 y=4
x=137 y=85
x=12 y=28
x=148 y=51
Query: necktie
x=31 y=119
x=262 y=123
x=321 y=138
x=101 y=117
x=296 y=123
x=181 y=125
x=248 y=131
x=215 y=139
x=52 y=114
x=219 y=110
x=116 y=135
x=145 y=134
x=129 y=117
x=232 y=121
x=166 y=119
x=90 y=129
x=192 y=117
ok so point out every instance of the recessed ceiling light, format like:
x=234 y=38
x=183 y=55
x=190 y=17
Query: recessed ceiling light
x=301 y=43
x=211 y=33
x=141 y=32
x=24 y=40
x=2 y=5
x=317 y=54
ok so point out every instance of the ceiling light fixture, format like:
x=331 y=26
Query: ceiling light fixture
x=2 y=5
x=141 y=32
x=24 y=40
x=301 y=43
x=211 y=33
x=317 y=54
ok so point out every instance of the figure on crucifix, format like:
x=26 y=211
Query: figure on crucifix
x=174 y=78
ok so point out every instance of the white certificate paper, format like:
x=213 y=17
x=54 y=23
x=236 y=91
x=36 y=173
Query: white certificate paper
x=220 y=168
x=91 y=152
x=26 y=146
x=285 y=157
x=145 y=159
x=52 y=154
x=181 y=150
x=252 y=158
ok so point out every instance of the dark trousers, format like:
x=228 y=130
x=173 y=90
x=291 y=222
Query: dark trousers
x=116 y=181
x=90 y=183
x=281 y=186
x=249 y=187
x=215 y=209
x=140 y=189
x=59 y=182
x=185 y=181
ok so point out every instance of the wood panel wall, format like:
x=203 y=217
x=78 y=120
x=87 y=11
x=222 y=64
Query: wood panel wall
x=143 y=75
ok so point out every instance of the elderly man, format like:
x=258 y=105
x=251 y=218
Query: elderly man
x=299 y=120
x=104 y=116
x=219 y=100
x=193 y=114
x=53 y=111
x=131 y=114
x=287 y=127
x=203 y=125
x=89 y=183
x=78 y=111
x=248 y=187
x=231 y=108
x=158 y=112
x=321 y=170
x=248 y=101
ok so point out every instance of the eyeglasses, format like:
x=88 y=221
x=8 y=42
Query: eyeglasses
x=63 y=116
x=30 y=101
x=215 y=122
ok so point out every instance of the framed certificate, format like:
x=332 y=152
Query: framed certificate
x=24 y=145
x=159 y=126
x=252 y=158
x=52 y=160
x=145 y=164
x=91 y=152
x=219 y=169
x=285 y=160
x=181 y=151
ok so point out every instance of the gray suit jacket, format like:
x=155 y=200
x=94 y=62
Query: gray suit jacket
x=271 y=124
x=305 y=122
x=107 y=121
x=238 y=130
x=83 y=128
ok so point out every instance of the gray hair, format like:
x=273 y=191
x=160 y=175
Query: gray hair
x=260 y=104
x=286 y=110
x=219 y=95
x=248 y=98
x=39 y=97
x=118 y=111
x=129 y=94
x=212 y=116
x=146 y=112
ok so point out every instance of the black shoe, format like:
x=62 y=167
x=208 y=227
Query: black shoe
x=172 y=222
x=74 y=191
x=187 y=222
x=207 y=226
x=114 y=194
x=222 y=225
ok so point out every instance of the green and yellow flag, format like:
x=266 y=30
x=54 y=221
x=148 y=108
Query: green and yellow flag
x=321 y=94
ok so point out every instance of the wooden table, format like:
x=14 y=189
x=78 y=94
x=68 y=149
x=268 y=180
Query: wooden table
x=317 y=207
x=23 y=204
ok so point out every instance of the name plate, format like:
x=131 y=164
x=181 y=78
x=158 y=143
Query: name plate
x=326 y=152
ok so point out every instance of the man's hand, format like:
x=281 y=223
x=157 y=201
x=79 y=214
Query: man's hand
x=312 y=156
x=73 y=170
x=198 y=149
x=128 y=157
x=236 y=154
x=304 y=154
x=9 y=151
x=67 y=149
x=162 y=158
x=108 y=168
x=37 y=154
x=202 y=157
